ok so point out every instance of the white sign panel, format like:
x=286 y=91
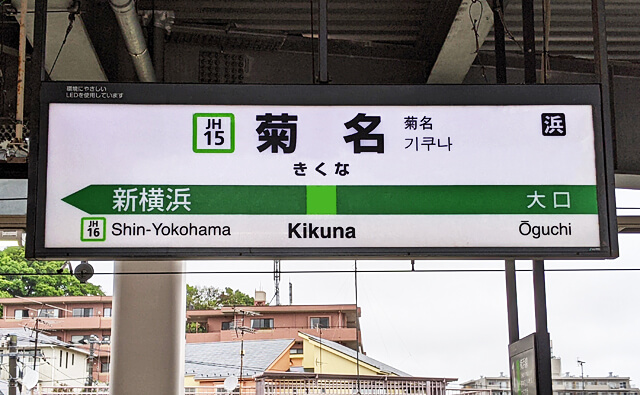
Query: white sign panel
x=233 y=176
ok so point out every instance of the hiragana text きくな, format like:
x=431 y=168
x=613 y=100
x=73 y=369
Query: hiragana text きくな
x=342 y=169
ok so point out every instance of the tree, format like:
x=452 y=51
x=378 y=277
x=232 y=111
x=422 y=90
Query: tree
x=209 y=298
x=20 y=277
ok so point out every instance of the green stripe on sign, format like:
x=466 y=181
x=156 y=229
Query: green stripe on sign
x=202 y=199
x=321 y=199
x=468 y=199
x=332 y=200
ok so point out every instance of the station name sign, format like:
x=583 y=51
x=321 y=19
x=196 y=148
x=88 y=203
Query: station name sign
x=219 y=171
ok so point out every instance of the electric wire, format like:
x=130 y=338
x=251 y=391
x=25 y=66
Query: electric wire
x=506 y=29
x=475 y=26
x=222 y=365
x=69 y=378
x=2 y=366
x=333 y=271
x=72 y=18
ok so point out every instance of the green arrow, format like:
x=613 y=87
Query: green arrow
x=332 y=200
x=202 y=199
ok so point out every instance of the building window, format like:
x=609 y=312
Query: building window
x=295 y=351
x=262 y=323
x=319 y=322
x=104 y=367
x=623 y=384
x=107 y=312
x=83 y=312
x=227 y=326
x=48 y=313
x=21 y=314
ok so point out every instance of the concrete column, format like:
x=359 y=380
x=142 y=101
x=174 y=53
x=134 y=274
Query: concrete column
x=148 y=331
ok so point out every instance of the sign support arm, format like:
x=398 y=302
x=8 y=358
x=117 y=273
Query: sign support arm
x=512 y=300
x=543 y=341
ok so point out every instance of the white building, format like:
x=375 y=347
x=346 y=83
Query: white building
x=562 y=384
x=57 y=362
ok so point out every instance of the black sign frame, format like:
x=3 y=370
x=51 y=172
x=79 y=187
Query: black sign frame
x=58 y=92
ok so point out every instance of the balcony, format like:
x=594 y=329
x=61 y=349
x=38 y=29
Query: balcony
x=67 y=323
x=275 y=383
x=333 y=334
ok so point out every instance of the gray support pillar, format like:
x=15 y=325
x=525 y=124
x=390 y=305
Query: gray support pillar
x=543 y=342
x=148 y=331
x=512 y=300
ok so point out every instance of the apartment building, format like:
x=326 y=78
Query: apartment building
x=338 y=323
x=563 y=384
x=85 y=321
x=69 y=318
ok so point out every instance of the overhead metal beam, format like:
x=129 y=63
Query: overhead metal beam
x=434 y=28
x=255 y=41
x=467 y=33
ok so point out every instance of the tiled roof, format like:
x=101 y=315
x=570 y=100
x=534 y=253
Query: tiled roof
x=222 y=359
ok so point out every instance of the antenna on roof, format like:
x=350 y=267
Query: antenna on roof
x=290 y=293
x=44 y=304
x=276 y=279
x=242 y=328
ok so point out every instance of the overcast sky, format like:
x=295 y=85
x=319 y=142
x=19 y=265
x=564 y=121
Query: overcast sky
x=455 y=324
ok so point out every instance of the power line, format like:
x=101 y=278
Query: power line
x=222 y=365
x=333 y=271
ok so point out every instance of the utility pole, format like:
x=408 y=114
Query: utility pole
x=242 y=328
x=13 y=366
x=35 y=348
x=320 y=330
x=93 y=339
x=90 y=375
